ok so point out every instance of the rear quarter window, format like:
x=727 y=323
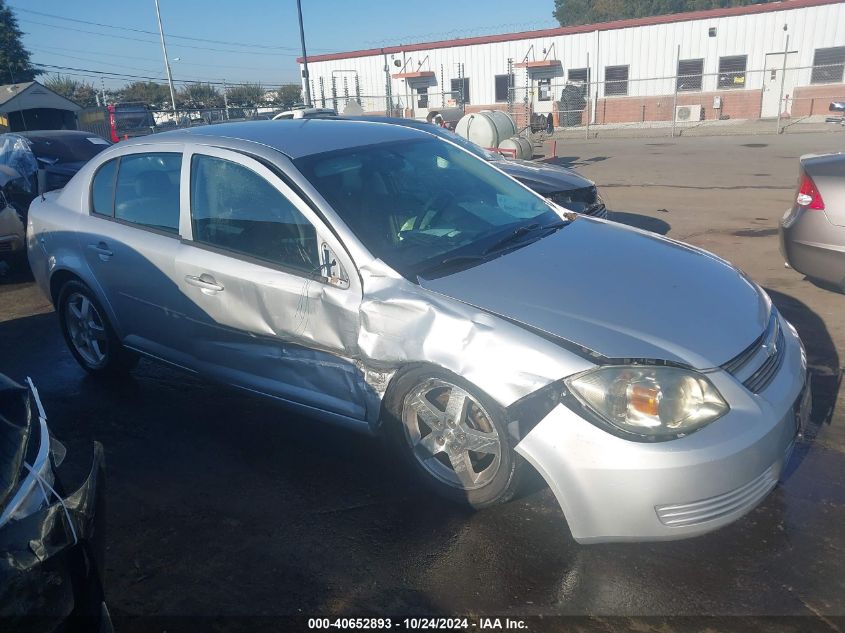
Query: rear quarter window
x=102 y=189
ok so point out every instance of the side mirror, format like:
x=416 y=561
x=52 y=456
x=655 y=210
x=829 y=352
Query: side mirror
x=331 y=268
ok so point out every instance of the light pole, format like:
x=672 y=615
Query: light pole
x=304 y=56
x=166 y=62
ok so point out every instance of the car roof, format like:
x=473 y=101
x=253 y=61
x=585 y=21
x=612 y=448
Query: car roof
x=297 y=137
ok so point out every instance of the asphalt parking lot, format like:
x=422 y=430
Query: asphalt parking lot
x=224 y=505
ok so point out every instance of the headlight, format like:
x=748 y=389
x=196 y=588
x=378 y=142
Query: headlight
x=653 y=402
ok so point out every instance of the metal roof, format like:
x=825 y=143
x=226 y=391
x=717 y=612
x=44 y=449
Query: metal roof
x=31 y=94
x=709 y=14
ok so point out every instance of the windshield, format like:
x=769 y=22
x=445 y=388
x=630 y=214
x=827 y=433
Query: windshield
x=132 y=117
x=68 y=149
x=416 y=204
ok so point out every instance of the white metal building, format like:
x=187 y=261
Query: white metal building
x=742 y=62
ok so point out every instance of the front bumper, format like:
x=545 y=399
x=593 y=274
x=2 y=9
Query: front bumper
x=613 y=489
x=50 y=570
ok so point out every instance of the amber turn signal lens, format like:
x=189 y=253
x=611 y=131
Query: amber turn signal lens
x=644 y=399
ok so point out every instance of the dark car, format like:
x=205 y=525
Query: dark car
x=561 y=185
x=51 y=542
x=60 y=153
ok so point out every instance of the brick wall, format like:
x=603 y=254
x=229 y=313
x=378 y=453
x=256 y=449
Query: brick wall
x=809 y=100
x=736 y=104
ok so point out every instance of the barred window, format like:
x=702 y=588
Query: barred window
x=828 y=65
x=503 y=82
x=616 y=80
x=690 y=72
x=580 y=76
x=732 y=71
x=460 y=90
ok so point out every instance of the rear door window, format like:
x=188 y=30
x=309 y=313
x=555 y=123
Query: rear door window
x=147 y=190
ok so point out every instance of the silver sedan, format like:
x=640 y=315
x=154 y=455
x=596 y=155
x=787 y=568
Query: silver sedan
x=812 y=231
x=389 y=281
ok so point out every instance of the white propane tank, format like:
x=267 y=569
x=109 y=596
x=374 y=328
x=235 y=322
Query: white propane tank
x=487 y=128
x=504 y=122
x=517 y=147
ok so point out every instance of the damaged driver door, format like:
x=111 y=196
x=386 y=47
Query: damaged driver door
x=275 y=309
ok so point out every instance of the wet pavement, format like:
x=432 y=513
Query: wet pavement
x=225 y=504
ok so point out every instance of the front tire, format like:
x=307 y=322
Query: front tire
x=453 y=438
x=89 y=335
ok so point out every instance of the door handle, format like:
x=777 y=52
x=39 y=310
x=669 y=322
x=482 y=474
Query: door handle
x=102 y=250
x=204 y=282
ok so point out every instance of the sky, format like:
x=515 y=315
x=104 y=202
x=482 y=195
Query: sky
x=254 y=40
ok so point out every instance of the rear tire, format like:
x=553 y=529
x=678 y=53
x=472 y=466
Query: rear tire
x=89 y=335
x=452 y=437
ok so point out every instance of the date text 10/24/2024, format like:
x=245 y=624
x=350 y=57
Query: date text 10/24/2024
x=419 y=624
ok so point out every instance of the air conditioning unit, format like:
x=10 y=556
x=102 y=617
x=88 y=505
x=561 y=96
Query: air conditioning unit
x=684 y=113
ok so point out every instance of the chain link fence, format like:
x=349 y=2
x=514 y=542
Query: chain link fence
x=778 y=92
x=548 y=101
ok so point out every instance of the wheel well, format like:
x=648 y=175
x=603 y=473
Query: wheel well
x=405 y=369
x=59 y=279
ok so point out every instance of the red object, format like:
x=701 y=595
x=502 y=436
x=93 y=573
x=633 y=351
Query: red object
x=542 y=63
x=808 y=194
x=112 y=127
x=422 y=74
x=503 y=152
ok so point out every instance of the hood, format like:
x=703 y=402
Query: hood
x=621 y=292
x=542 y=177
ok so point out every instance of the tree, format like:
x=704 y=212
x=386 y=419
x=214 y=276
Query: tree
x=15 y=66
x=79 y=92
x=288 y=95
x=200 y=95
x=246 y=95
x=157 y=96
x=570 y=12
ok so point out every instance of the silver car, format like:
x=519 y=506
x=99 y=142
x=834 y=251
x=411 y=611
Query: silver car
x=389 y=281
x=812 y=231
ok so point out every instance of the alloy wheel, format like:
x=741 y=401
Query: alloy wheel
x=86 y=329
x=451 y=434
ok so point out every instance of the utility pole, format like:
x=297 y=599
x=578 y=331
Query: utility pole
x=782 y=80
x=677 y=81
x=225 y=99
x=304 y=56
x=166 y=61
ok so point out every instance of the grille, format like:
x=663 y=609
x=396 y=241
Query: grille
x=758 y=364
x=743 y=498
x=761 y=378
